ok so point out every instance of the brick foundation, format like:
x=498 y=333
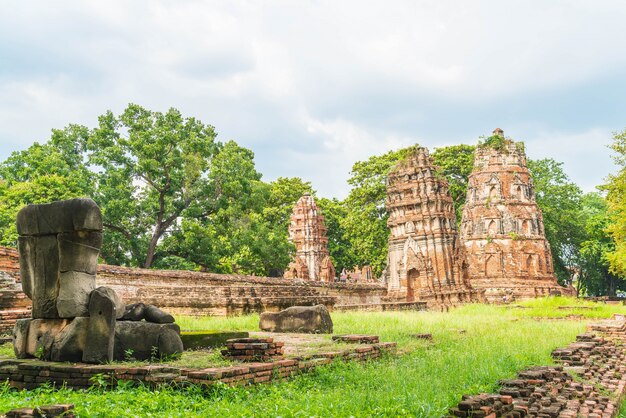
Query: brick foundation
x=29 y=374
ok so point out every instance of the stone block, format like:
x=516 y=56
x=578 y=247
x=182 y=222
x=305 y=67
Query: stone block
x=39 y=267
x=74 y=291
x=79 y=250
x=110 y=293
x=69 y=344
x=39 y=337
x=20 y=337
x=305 y=319
x=63 y=216
x=101 y=330
x=145 y=340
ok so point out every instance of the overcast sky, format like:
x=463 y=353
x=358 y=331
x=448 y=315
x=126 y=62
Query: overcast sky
x=313 y=86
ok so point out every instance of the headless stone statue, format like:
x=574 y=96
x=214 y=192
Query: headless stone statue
x=59 y=244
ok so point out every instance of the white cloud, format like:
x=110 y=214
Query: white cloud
x=314 y=86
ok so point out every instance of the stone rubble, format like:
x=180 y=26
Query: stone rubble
x=253 y=349
x=590 y=381
x=47 y=411
x=357 y=339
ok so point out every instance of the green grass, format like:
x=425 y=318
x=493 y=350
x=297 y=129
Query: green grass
x=560 y=307
x=424 y=381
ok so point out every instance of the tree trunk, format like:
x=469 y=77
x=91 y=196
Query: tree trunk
x=152 y=248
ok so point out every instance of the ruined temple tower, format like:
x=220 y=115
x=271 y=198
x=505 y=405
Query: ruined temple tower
x=426 y=259
x=308 y=232
x=502 y=226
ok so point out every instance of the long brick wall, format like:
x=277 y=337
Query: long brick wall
x=198 y=293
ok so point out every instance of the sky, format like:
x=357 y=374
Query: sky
x=314 y=86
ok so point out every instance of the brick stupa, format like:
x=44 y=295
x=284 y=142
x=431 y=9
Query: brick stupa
x=308 y=232
x=426 y=260
x=502 y=226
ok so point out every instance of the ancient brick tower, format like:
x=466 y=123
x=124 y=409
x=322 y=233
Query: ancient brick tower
x=502 y=226
x=426 y=259
x=308 y=232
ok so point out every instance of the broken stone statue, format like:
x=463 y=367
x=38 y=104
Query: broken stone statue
x=72 y=319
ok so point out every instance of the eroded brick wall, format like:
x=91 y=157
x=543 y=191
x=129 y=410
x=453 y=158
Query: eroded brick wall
x=197 y=293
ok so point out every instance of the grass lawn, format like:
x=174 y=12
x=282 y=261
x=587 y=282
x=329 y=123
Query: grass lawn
x=473 y=346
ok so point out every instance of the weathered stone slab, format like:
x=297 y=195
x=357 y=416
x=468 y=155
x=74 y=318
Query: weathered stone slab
x=101 y=330
x=39 y=268
x=145 y=340
x=306 y=319
x=20 y=337
x=110 y=293
x=69 y=344
x=74 y=290
x=79 y=250
x=40 y=337
x=63 y=216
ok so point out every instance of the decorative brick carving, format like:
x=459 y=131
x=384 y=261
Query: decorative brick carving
x=502 y=226
x=426 y=260
x=308 y=232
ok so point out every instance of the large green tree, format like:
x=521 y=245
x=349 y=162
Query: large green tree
x=559 y=200
x=365 y=223
x=594 y=275
x=150 y=169
x=616 y=198
x=41 y=174
x=456 y=163
x=339 y=247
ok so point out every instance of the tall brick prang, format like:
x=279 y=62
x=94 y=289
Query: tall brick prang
x=426 y=260
x=308 y=232
x=502 y=226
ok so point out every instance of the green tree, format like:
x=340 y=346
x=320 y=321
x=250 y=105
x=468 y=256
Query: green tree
x=339 y=247
x=42 y=173
x=151 y=168
x=241 y=224
x=594 y=276
x=365 y=223
x=560 y=201
x=616 y=199
x=456 y=163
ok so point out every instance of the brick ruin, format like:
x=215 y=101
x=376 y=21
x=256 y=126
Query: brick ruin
x=502 y=227
x=426 y=260
x=14 y=304
x=308 y=232
x=199 y=293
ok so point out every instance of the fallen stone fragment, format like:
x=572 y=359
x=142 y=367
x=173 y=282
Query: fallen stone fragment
x=305 y=319
x=146 y=340
x=134 y=312
x=157 y=316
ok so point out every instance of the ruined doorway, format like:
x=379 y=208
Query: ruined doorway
x=412 y=278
